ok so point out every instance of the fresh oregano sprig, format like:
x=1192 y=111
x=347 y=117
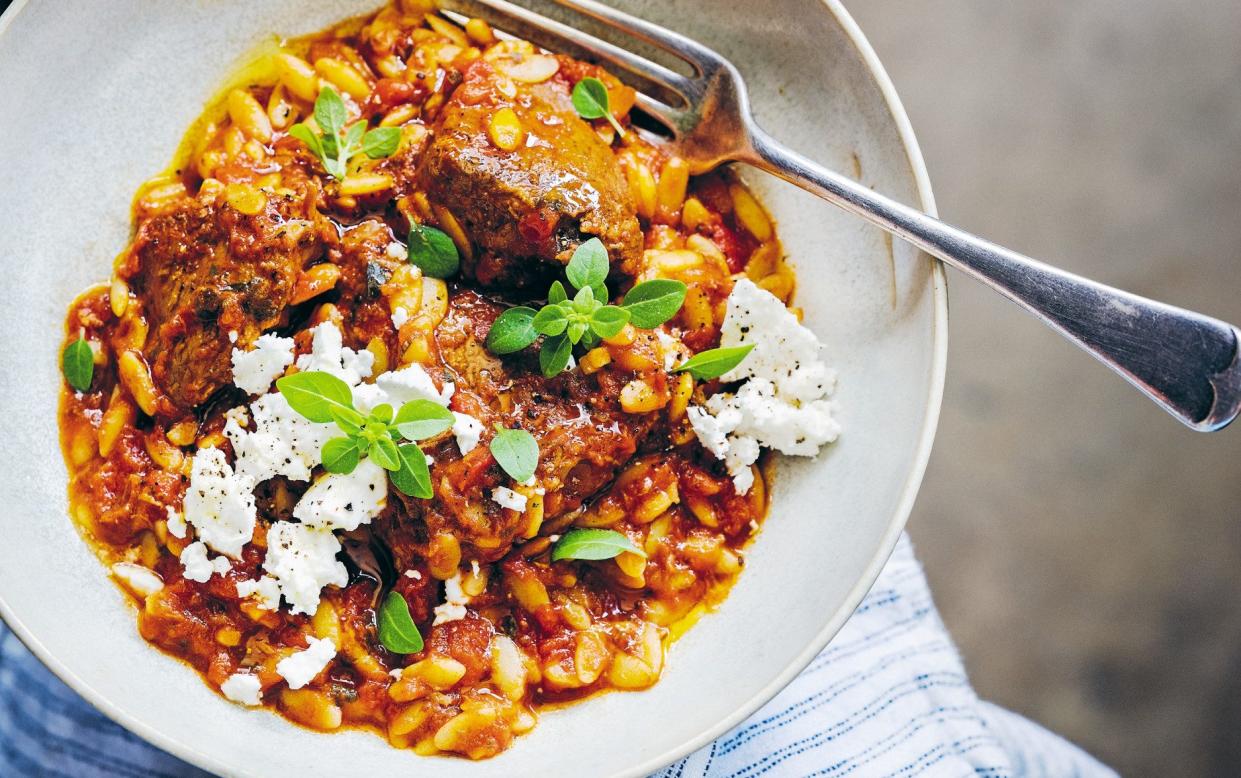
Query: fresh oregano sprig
x=590 y=99
x=322 y=397
x=585 y=318
x=335 y=144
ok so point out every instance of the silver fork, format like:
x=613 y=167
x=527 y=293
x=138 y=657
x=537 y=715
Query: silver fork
x=1186 y=362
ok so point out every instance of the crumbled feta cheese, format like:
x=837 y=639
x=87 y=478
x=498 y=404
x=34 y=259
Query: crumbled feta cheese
x=327 y=353
x=232 y=336
x=397 y=250
x=399 y=317
x=280 y=442
x=176 y=522
x=303 y=560
x=397 y=674
x=345 y=501
x=219 y=503
x=468 y=430
x=301 y=668
x=507 y=498
x=674 y=350
x=140 y=580
x=266 y=590
x=198 y=567
x=254 y=370
x=243 y=688
x=417 y=576
x=782 y=403
x=398 y=387
x=455 y=600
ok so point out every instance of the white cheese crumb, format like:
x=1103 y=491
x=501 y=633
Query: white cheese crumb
x=674 y=350
x=345 y=501
x=397 y=250
x=397 y=674
x=455 y=600
x=232 y=336
x=176 y=522
x=198 y=567
x=399 y=317
x=254 y=370
x=327 y=353
x=417 y=576
x=507 y=498
x=219 y=503
x=474 y=568
x=266 y=590
x=243 y=688
x=468 y=430
x=281 y=441
x=398 y=387
x=782 y=403
x=140 y=580
x=303 y=560
x=301 y=668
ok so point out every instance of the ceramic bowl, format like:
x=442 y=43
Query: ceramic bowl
x=96 y=96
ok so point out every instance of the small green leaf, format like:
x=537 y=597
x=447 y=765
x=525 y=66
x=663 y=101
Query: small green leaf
x=589 y=265
x=303 y=133
x=554 y=355
x=600 y=292
x=593 y=544
x=384 y=453
x=330 y=112
x=551 y=320
x=381 y=142
x=314 y=393
x=584 y=301
x=590 y=99
x=557 y=293
x=414 y=477
x=340 y=455
x=609 y=320
x=420 y=419
x=349 y=420
x=397 y=631
x=651 y=303
x=512 y=331
x=516 y=452
x=713 y=363
x=353 y=137
x=382 y=413
x=78 y=364
x=576 y=330
x=433 y=251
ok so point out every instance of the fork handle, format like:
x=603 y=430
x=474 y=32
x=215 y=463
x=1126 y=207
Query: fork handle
x=1184 y=361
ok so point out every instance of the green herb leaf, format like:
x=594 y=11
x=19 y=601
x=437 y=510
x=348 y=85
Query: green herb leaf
x=584 y=301
x=381 y=142
x=557 y=293
x=384 y=453
x=420 y=419
x=554 y=355
x=576 y=330
x=589 y=265
x=433 y=251
x=353 y=136
x=349 y=420
x=516 y=452
x=551 y=320
x=340 y=455
x=314 y=393
x=600 y=292
x=512 y=331
x=713 y=363
x=590 y=99
x=330 y=112
x=78 y=364
x=593 y=544
x=382 y=413
x=414 y=477
x=397 y=631
x=651 y=303
x=303 y=133
x=609 y=320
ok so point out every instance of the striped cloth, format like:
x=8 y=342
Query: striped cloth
x=887 y=697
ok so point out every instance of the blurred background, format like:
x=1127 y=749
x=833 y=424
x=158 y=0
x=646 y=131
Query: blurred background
x=1085 y=549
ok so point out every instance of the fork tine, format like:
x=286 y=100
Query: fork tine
x=641 y=73
x=701 y=58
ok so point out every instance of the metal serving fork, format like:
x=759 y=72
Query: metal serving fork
x=1186 y=362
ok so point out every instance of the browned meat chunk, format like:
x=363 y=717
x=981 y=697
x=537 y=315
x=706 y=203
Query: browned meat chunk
x=559 y=187
x=204 y=270
x=584 y=437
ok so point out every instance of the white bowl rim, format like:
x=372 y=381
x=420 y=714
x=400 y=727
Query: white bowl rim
x=909 y=492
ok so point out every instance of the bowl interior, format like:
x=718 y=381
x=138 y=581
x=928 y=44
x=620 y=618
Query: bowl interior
x=85 y=126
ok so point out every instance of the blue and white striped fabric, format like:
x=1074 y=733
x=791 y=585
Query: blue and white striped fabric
x=888 y=697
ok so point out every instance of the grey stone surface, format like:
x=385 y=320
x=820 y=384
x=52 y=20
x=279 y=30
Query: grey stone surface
x=1084 y=548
